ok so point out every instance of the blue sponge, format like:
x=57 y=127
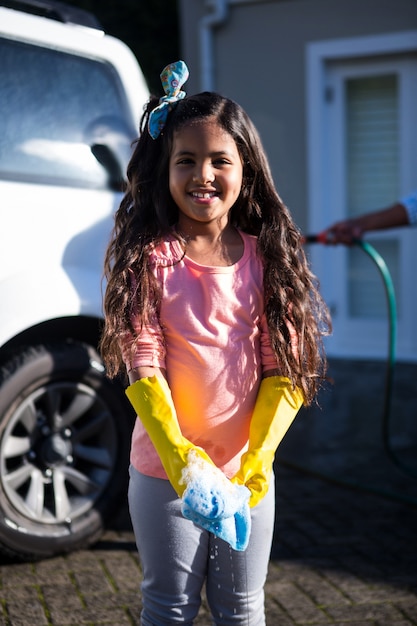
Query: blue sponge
x=214 y=503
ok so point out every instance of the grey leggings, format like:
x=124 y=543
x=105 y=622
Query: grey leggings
x=178 y=557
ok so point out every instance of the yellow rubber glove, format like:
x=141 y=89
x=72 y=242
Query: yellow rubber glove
x=151 y=398
x=276 y=406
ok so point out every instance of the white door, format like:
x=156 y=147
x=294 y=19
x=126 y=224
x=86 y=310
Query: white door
x=368 y=160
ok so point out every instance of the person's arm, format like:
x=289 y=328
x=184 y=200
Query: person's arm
x=348 y=230
x=145 y=372
x=410 y=204
x=276 y=407
x=209 y=499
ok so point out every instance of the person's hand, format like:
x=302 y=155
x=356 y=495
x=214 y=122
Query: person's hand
x=255 y=473
x=343 y=232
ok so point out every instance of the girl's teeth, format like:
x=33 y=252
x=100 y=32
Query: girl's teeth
x=203 y=195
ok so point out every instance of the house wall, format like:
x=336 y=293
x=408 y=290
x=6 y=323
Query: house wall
x=259 y=55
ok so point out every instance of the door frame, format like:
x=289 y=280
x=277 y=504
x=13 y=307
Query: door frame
x=328 y=261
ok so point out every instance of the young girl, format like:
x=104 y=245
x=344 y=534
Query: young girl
x=211 y=307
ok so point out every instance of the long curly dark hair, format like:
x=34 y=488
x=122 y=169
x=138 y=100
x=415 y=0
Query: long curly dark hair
x=148 y=213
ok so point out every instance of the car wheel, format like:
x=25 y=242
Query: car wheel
x=64 y=439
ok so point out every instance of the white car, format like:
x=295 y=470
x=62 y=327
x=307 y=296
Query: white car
x=70 y=102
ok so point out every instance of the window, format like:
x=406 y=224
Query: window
x=372 y=172
x=53 y=106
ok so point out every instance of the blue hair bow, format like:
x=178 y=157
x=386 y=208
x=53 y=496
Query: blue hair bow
x=173 y=76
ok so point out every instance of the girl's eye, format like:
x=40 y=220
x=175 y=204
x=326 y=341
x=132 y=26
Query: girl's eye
x=219 y=162
x=184 y=161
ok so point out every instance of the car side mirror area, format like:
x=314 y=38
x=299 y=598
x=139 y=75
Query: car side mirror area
x=109 y=160
x=110 y=141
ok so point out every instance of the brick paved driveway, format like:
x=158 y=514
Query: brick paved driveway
x=344 y=556
x=339 y=557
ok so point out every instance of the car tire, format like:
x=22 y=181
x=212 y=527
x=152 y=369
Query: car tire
x=64 y=443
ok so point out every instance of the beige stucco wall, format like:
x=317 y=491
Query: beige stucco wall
x=259 y=57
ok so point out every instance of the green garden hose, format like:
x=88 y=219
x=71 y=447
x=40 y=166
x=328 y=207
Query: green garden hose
x=389 y=378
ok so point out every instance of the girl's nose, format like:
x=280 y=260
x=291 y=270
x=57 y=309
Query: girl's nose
x=203 y=174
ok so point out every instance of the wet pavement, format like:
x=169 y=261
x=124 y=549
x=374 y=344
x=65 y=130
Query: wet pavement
x=345 y=546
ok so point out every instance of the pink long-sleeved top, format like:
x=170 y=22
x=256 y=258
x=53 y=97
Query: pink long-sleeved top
x=211 y=337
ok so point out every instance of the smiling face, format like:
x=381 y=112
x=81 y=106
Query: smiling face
x=205 y=174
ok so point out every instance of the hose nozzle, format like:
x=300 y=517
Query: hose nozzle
x=324 y=238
